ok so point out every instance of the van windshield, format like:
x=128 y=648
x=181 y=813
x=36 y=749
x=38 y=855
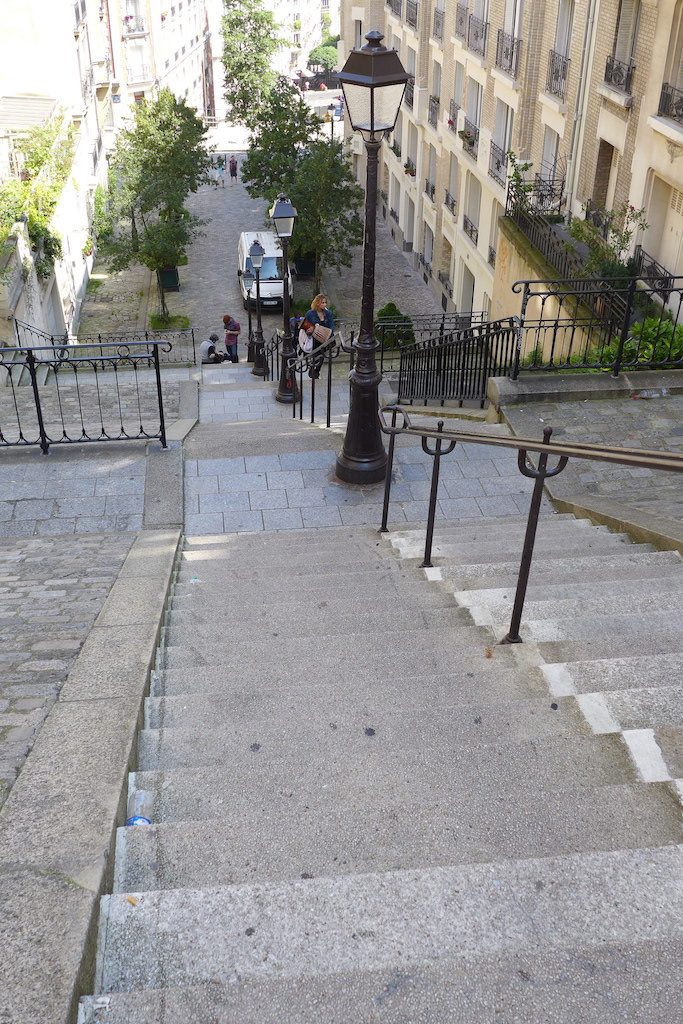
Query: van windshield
x=271 y=268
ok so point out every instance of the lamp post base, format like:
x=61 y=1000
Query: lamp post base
x=363 y=470
x=363 y=459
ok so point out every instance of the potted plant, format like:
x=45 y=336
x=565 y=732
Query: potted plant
x=88 y=247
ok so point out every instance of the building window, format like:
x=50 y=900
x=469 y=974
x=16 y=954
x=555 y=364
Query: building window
x=358 y=34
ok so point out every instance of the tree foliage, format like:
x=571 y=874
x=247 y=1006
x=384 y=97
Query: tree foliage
x=323 y=57
x=287 y=123
x=328 y=202
x=157 y=162
x=250 y=41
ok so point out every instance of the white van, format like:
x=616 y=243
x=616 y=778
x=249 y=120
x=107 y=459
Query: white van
x=271 y=273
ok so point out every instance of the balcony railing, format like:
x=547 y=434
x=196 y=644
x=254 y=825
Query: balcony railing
x=425 y=264
x=498 y=163
x=433 y=113
x=477 y=31
x=133 y=24
x=430 y=189
x=411 y=13
x=470 y=228
x=658 y=277
x=396 y=149
x=437 y=27
x=671 y=103
x=453 y=109
x=396 y=7
x=558 y=72
x=140 y=74
x=394 y=215
x=409 y=94
x=470 y=138
x=548 y=193
x=450 y=202
x=409 y=167
x=461 y=21
x=507 y=52
x=444 y=280
x=619 y=74
x=492 y=256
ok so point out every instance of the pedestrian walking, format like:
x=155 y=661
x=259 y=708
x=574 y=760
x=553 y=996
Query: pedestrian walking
x=233 y=169
x=322 y=331
x=208 y=351
x=221 y=171
x=232 y=331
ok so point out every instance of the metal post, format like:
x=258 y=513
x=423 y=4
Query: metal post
x=329 y=385
x=363 y=458
x=286 y=391
x=387 y=479
x=250 y=347
x=540 y=476
x=157 y=374
x=626 y=327
x=259 y=367
x=439 y=450
x=31 y=363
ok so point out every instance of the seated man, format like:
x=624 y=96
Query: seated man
x=208 y=352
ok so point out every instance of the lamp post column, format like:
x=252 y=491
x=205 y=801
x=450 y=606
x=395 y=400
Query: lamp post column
x=363 y=458
x=259 y=367
x=250 y=349
x=287 y=389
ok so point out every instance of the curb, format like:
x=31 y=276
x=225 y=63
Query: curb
x=57 y=862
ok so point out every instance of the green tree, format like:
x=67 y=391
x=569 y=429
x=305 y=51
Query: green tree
x=287 y=123
x=323 y=57
x=250 y=41
x=328 y=202
x=156 y=164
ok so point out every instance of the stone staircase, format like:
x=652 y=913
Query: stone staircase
x=364 y=809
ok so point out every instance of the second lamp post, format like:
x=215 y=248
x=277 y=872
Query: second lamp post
x=283 y=215
x=256 y=254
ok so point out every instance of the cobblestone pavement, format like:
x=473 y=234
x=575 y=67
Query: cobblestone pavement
x=122 y=302
x=109 y=403
x=634 y=423
x=51 y=591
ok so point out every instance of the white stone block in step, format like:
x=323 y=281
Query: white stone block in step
x=433 y=573
x=559 y=680
x=646 y=755
x=597 y=714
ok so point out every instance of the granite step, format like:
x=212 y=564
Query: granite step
x=251 y=846
x=369 y=776
x=380 y=586
x=608 y=984
x=648 y=707
x=317 y=927
x=592 y=627
x=622 y=645
x=613 y=674
x=509 y=549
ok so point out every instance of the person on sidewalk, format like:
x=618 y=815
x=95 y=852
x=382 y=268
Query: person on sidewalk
x=232 y=331
x=221 y=171
x=208 y=351
x=233 y=169
x=323 y=322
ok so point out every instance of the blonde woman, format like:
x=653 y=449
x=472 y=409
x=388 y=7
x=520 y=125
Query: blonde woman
x=319 y=315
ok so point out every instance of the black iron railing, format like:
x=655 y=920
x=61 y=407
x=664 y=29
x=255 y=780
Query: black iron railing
x=656 y=275
x=492 y=256
x=461 y=21
x=411 y=13
x=409 y=95
x=671 y=103
x=558 y=72
x=507 y=52
x=619 y=73
x=548 y=193
x=433 y=111
x=71 y=394
x=437 y=26
x=525 y=208
x=309 y=368
x=587 y=323
x=392 y=336
x=470 y=228
x=453 y=109
x=395 y=422
x=430 y=189
x=450 y=202
x=457 y=368
x=598 y=217
x=498 y=163
x=396 y=7
x=477 y=31
x=409 y=167
x=470 y=138
x=176 y=348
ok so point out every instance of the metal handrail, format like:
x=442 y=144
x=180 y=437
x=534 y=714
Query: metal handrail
x=445 y=442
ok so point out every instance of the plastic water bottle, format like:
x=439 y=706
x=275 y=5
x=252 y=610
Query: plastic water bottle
x=140 y=805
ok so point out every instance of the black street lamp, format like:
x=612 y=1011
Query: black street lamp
x=283 y=215
x=248 y=282
x=373 y=80
x=256 y=254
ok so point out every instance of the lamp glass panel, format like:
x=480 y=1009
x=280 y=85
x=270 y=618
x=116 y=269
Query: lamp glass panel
x=387 y=102
x=357 y=99
x=256 y=254
x=284 y=226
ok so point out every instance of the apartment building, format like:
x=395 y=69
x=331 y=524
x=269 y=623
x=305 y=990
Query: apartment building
x=300 y=27
x=590 y=99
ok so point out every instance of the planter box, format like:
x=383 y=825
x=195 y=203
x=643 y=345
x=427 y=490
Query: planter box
x=170 y=281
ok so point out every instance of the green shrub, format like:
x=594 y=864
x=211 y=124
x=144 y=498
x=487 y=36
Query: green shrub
x=158 y=322
x=399 y=327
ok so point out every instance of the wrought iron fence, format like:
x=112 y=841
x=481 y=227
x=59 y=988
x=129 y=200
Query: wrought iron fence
x=58 y=394
x=647 y=267
x=671 y=103
x=308 y=368
x=178 y=348
x=453 y=109
x=461 y=21
x=586 y=323
x=409 y=94
x=558 y=72
x=393 y=335
x=430 y=189
x=470 y=138
x=470 y=228
x=458 y=366
x=619 y=73
x=444 y=443
x=498 y=163
x=433 y=112
x=507 y=52
x=451 y=203
x=477 y=31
